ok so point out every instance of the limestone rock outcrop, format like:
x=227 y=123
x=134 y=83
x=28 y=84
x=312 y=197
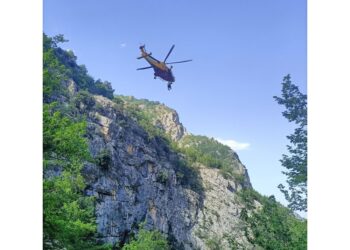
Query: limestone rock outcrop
x=142 y=180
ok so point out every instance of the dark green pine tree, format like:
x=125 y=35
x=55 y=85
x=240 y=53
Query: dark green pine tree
x=295 y=162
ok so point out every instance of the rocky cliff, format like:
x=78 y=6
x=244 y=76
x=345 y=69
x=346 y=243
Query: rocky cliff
x=139 y=178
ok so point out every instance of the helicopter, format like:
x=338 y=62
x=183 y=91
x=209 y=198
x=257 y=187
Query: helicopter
x=160 y=68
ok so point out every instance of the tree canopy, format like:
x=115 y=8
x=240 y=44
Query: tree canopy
x=295 y=163
x=150 y=240
x=270 y=225
x=61 y=65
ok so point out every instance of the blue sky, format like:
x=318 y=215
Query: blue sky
x=241 y=51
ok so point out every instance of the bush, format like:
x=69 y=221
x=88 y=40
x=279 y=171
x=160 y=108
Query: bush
x=104 y=159
x=188 y=176
x=162 y=176
x=63 y=139
x=150 y=240
x=209 y=152
x=103 y=88
x=273 y=226
x=213 y=243
x=84 y=97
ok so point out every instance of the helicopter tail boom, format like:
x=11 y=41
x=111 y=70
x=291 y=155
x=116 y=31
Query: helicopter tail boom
x=143 y=56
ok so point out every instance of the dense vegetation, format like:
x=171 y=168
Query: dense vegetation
x=60 y=66
x=150 y=240
x=270 y=225
x=295 y=163
x=141 y=111
x=69 y=219
x=211 y=153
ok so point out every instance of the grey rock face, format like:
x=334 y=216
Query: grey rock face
x=139 y=184
x=168 y=120
x=140 y=181
x=219 y=218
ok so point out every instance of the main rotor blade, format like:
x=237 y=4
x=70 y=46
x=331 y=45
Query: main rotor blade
x=171 y=49
x=180 y=62
x=144 y=68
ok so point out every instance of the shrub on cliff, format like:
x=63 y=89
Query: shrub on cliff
x=150 y=240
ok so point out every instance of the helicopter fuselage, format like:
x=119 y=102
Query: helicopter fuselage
x=160 y=68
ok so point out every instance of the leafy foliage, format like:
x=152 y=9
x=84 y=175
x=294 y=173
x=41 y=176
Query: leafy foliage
x=140 y=110
x=195 y=154
x=103 y=88
x=63 y=140
x=209 y=146
x=104 y=159
x=162 y=176
x=146 y=104
x=272 y=226
x=60 y=65
x=68 y=216
x=146 y=123
x=233 y=243
x=211 y=153
x=150 y=240
x=69 y=219
x=54 y=72
x=213 y=243
x=296 y=162
x=84 y=98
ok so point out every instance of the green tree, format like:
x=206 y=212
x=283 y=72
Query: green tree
x=270 y=225
x=60 y=65
x=103 y=88
x=69 y=220
x=63 y=139
x=54 y=71
x=295 y=163
x=150 y=240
